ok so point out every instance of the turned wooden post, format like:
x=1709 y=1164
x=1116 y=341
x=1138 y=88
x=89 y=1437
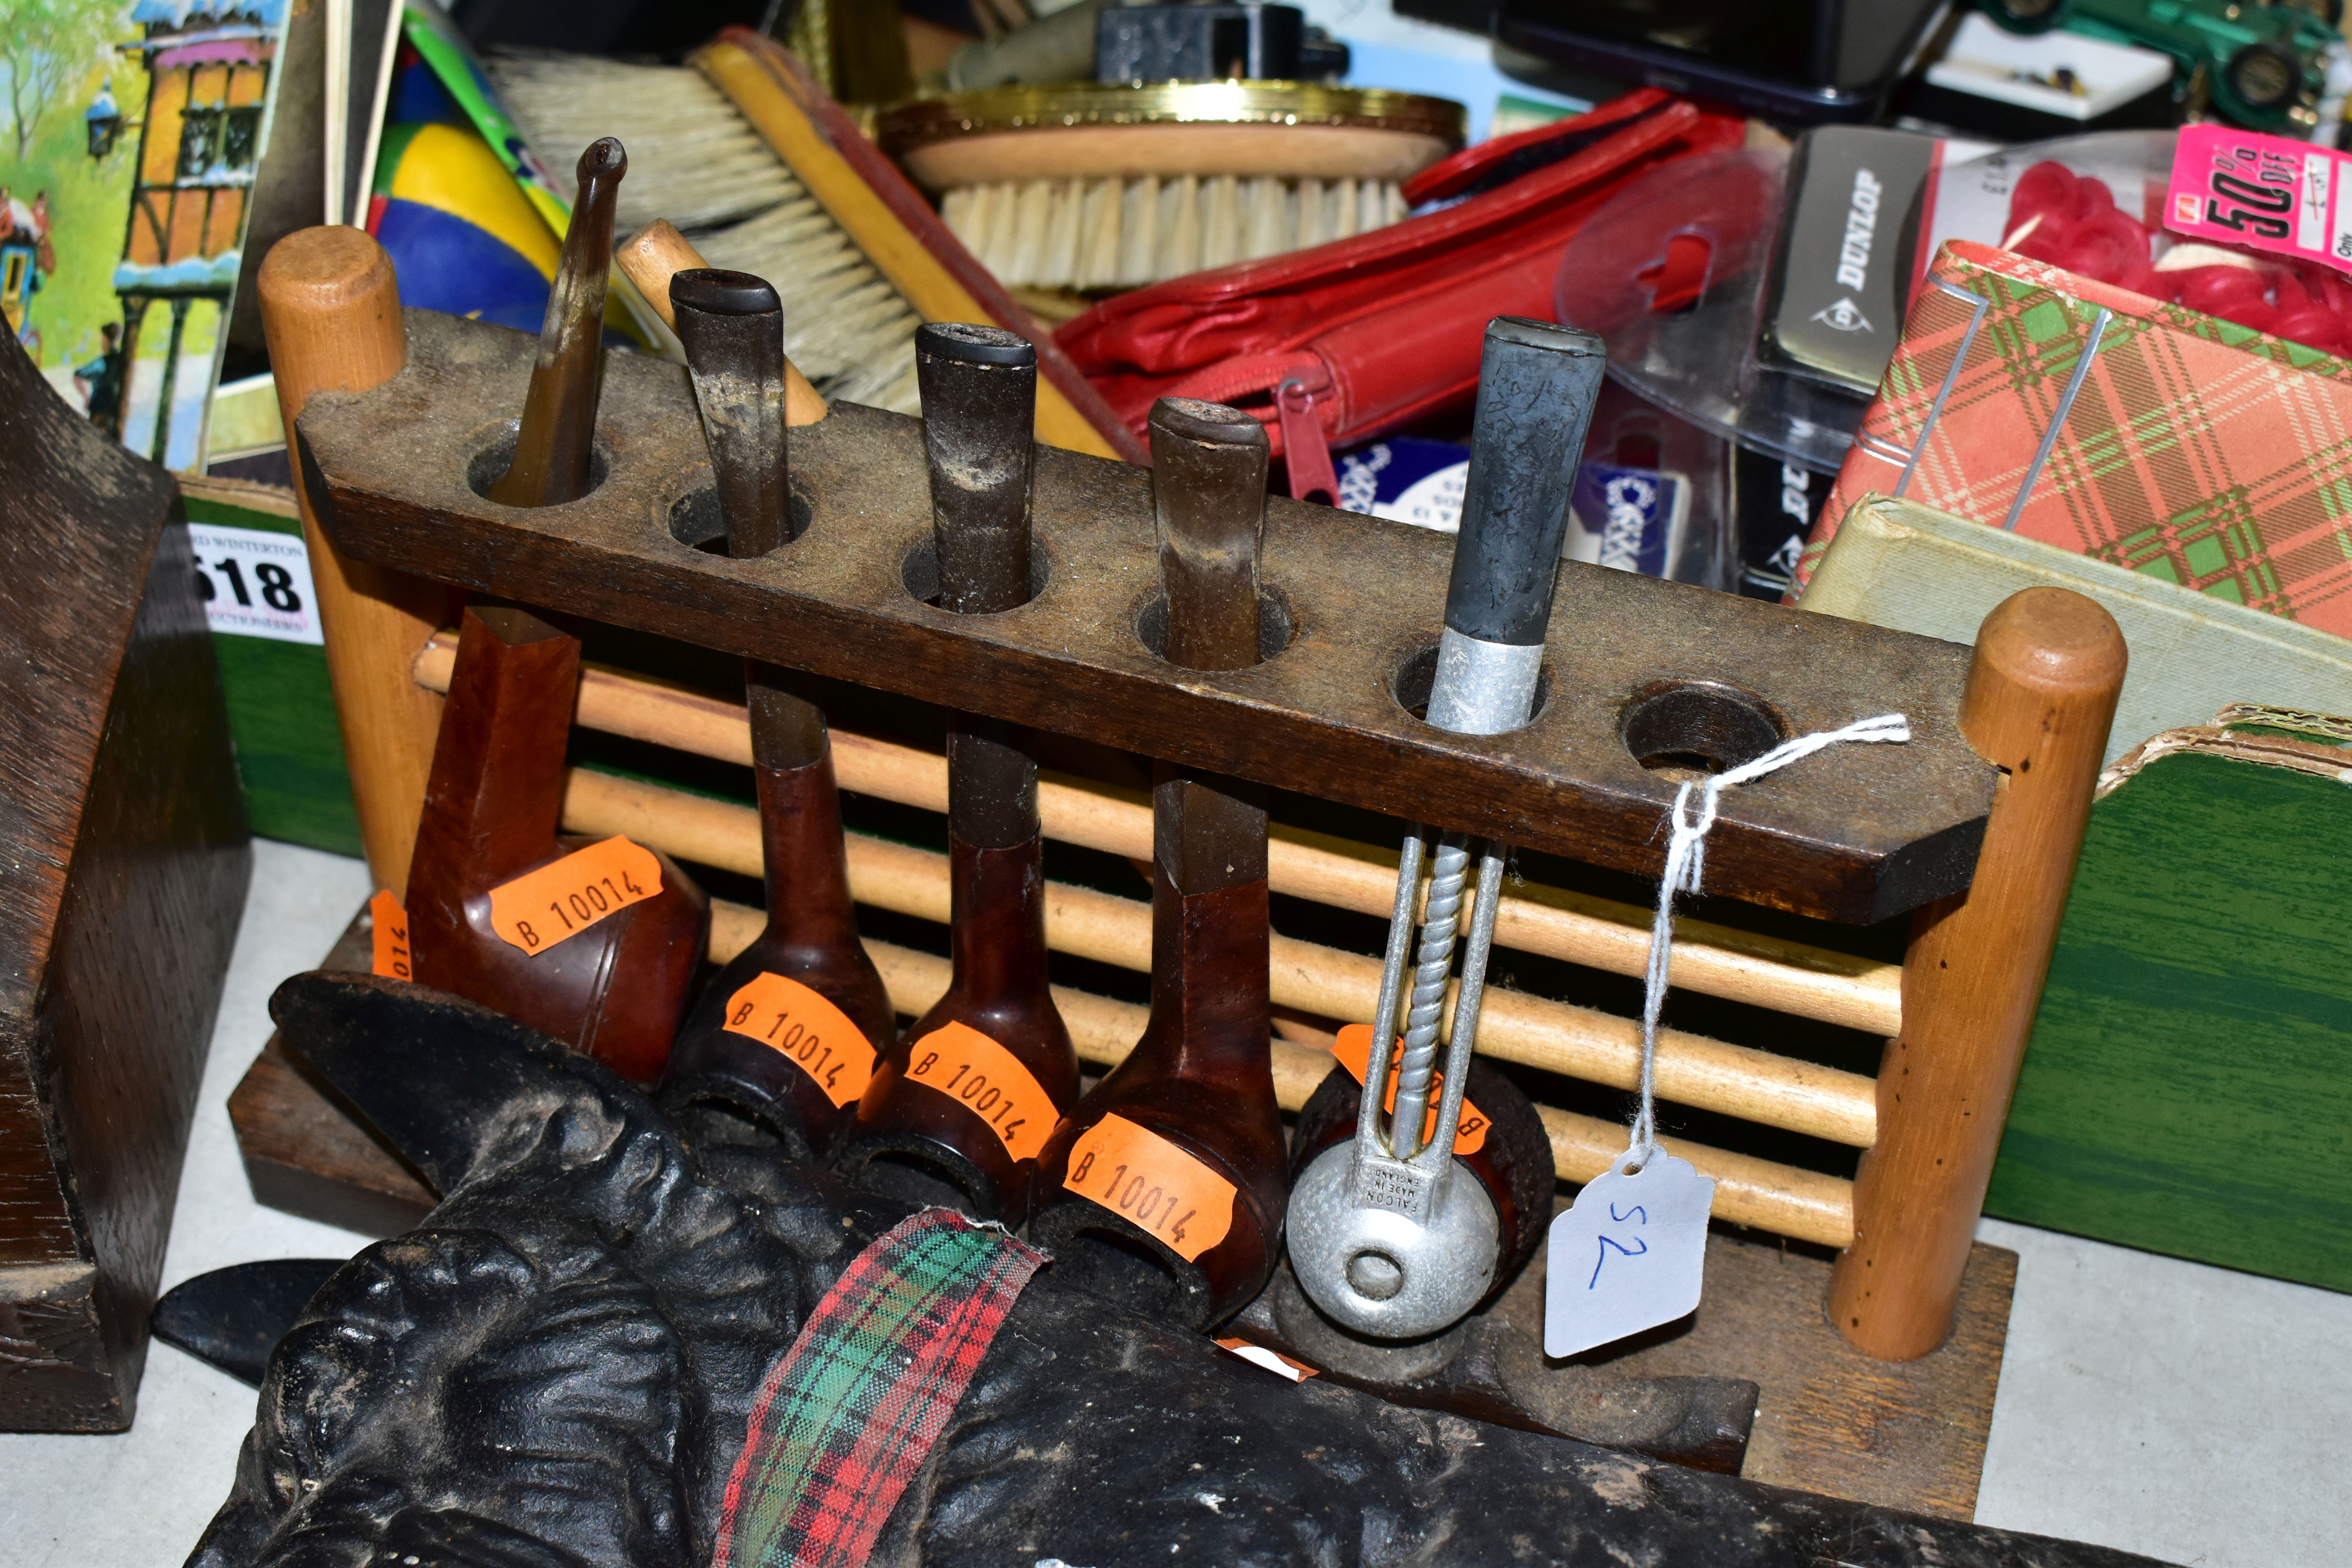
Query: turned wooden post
x=2040 y=695
x=330 y=309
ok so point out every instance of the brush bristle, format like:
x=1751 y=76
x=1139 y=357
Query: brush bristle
x=696 y=161
x=1123 y=233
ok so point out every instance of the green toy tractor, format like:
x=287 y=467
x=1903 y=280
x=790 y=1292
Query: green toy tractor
x=2262 y=63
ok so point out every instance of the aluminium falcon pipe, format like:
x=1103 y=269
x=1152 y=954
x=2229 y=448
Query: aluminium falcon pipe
x=1382 y=1239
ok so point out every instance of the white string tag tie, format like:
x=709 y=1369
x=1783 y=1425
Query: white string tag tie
x=1631 y=1252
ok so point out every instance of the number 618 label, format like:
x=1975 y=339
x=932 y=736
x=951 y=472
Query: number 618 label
x=254 y=583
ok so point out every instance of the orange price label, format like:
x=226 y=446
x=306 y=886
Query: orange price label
x=1141 y=1176
x=812 y=1034
x=1354 y=1051
x=541 y=909
x=989 y=1081
x=389 y=927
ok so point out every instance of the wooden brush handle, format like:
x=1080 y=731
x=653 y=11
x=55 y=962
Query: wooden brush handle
x=650 y=257
x=893 y=227
x=330 y=309
x=2040 y=694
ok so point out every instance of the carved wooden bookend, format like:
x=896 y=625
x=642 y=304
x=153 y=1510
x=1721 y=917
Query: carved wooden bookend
x=1164 y=1190
x=790 y=1030
x=594 y=945
x=555 y=441
x=958 y=1111
x=124 y=863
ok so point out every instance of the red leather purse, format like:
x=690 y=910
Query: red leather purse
x=1343 y=342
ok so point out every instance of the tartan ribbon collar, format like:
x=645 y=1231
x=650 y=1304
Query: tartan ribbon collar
x=851 y=1411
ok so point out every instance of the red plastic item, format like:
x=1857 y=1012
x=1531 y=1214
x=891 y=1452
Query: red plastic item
x=1391 y=320
x=1499 y=160
x=1679 y=277
x=2058 y=216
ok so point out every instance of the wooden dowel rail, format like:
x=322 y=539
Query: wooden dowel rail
x=1788 y=977
x=1556 y=1036
x=1783 y=1199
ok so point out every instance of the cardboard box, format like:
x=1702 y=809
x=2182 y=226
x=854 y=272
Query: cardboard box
x=2122 y=427
x=1900 y=564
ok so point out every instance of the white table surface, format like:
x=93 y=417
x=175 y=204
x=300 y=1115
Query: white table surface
x=2195 y=1414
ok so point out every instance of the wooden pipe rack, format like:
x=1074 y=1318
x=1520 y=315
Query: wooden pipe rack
x=1755 y=1085
x=1635 y=668
x=395 y=475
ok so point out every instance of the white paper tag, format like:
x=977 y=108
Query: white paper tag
x=1628 y=1255
x=254 y=583
x=1273 y=1362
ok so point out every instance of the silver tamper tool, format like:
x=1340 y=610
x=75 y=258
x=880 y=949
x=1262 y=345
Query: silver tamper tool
x=1385 y=1234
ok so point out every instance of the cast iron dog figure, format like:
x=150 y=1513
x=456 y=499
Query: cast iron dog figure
x=557 y=1370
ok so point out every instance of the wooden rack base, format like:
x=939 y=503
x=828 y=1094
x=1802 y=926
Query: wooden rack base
x=1907 y=1435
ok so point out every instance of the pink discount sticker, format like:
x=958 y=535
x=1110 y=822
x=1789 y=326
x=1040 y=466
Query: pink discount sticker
x=2266 y=192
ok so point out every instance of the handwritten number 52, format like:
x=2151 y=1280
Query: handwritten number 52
x=1606 y=1242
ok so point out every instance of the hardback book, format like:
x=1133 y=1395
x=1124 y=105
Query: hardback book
x=254 y=577
x=1897 y=563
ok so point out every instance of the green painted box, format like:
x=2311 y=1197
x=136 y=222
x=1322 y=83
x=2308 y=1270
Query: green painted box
x=256 y=578
x=2188 y=1086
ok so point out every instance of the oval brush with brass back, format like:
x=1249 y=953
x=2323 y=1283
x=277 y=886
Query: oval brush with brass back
x=1096 y=186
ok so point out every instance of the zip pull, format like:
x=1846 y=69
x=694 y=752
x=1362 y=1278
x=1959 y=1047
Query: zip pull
x=1304 y=449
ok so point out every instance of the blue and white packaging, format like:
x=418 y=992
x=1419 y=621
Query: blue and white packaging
x=1407 y=479
x=1634 y=519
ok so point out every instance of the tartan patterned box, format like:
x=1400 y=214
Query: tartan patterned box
x=2122 y=427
